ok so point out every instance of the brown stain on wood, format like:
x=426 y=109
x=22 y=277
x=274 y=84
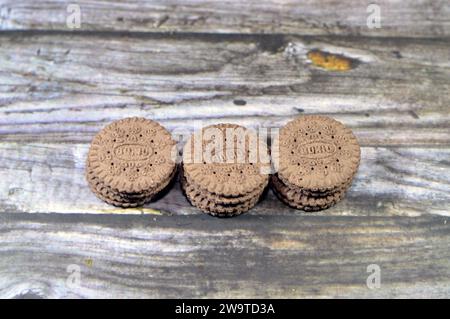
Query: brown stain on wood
x=330 y=61
x=89 y=262
x=288 y=244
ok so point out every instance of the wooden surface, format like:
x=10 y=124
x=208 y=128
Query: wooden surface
x=212 y=62
x=407 y=18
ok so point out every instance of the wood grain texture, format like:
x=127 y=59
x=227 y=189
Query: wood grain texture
x=307 y=17
x=199 y=256
x=56 y=94
x=58 y=88
x=65 y=87
x=396 y=181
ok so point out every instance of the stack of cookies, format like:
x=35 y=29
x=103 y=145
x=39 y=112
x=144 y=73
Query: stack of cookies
x=225 y=169
x=131 y=161
x=316 y=158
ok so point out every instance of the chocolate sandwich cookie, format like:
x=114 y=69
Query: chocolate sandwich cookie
x=110 y=198
x=317 y=153
x=218 y=210
x=305 y=200
x=309 y=193
x=99 y=187
x=194 y=192
x=223 y=160
x=211 y=207
x=130 y=161
x=117 y=199
x=225 y=169
x=303 y=207
x=195 y=189
x=316 y=158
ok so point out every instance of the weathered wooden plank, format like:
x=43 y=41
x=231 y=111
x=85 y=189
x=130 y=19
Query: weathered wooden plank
x=64 y=87
x=200 y=256
x=307 y=17
x=49 y=178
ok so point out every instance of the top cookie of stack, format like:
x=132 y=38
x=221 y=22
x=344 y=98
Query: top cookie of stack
x=130 y=161
x=225 y=169
x=316 y=158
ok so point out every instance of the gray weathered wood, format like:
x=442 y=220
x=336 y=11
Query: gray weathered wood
x=66 y=87
x=199 y=256
x=56 y=95
x=397 y=181
x=307 y=17
x=57 y=89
